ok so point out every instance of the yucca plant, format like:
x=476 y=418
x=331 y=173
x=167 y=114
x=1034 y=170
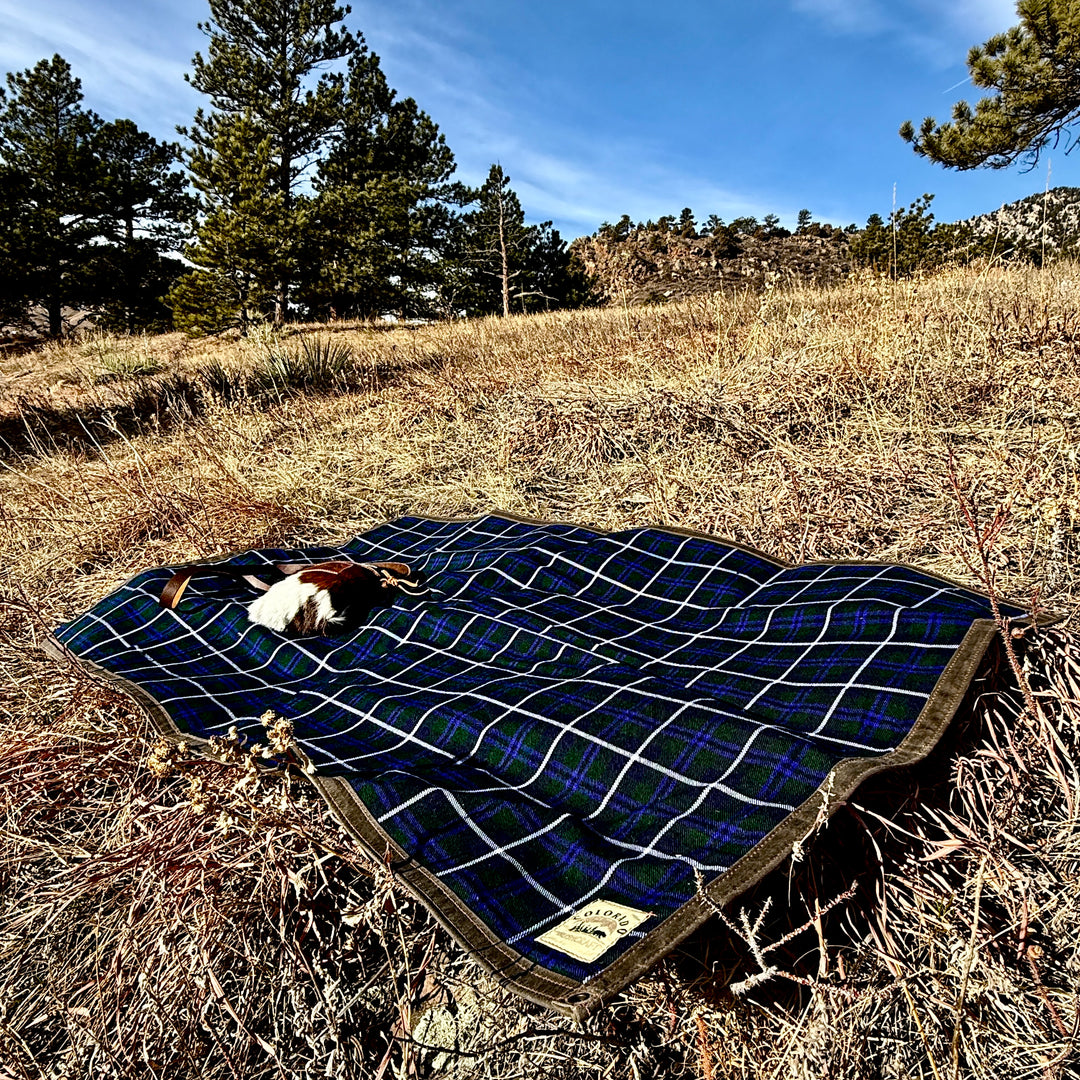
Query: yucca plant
x=319 y=365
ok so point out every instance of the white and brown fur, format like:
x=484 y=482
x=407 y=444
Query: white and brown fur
x=321 y=598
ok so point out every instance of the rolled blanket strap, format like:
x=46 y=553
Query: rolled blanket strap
x=175 y=586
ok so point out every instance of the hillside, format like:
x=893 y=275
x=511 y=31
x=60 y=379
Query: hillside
x=651 y=265
x=170 y=916
x=1049 y=220
x=655 y=262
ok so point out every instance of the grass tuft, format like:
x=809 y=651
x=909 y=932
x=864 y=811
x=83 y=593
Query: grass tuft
x=318 y=365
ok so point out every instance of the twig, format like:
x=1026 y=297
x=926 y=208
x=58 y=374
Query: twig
x=968 y=960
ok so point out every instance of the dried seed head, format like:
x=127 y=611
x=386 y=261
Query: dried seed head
x=198 y=795
x=160 y=760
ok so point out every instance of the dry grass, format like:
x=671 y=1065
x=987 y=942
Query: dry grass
x=180 y=918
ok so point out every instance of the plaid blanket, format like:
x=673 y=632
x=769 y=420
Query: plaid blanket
x=567 y=726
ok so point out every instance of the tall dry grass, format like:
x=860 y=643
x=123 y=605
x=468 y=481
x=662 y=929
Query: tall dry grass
x=165 y=916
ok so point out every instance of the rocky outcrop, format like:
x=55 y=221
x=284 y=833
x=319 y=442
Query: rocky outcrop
x=1046 y=221
x=654 y=266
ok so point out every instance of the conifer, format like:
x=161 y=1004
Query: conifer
x=499 y=241
x=145 y=214
x=504 y=264
x=51 y=183
x=384 y=204
x=1033 y=73
x=272 y=112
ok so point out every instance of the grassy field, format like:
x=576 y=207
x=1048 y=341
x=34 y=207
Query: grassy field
x=164 y=916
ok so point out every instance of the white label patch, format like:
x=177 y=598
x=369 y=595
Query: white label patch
x=590 y=932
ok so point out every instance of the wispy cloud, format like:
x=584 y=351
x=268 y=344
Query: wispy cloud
x=967 y=17
x=939 y=33
x=980 y=17
x=581 y=192
x=846 y=16
x=123 y=73
x=491 y=114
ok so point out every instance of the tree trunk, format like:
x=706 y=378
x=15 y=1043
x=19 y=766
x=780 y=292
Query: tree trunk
x=284 y=182
x=56 y=320
x=505 y=261
x=129 y=247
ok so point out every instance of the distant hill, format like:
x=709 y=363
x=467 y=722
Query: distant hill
x=654 y=264
x=1024 y=226
x=658 y=261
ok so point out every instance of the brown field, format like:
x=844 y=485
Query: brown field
x=165 y=916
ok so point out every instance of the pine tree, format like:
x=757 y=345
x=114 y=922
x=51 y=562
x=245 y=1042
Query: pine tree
x=744 y=226
x=619 y=232
x=238 y=237
x=51 y=182
x=553 y=277
x=873 y=246
x=145 y=209
x=910 y=241
x=385 y=202
x=143 y=194
x=498 y=264
x=271 y=117
x=499 y=241
x=723 y=240
x=1033 y=73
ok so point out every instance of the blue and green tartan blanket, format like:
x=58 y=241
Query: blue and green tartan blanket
x=566 y=727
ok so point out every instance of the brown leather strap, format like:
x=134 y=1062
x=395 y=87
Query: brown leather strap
x=174 y=589
x=395 y=575
x=175 y=586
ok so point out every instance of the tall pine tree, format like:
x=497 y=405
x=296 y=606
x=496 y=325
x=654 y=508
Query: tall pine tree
x=51 y=181
x=271 y=114
x=237 y=238
x=498 y=243
x=504 y=265
x=384 y=202
x=145 y=213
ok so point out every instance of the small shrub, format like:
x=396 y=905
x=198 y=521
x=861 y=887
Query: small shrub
x=226 y=385
x=118 y=359
x=319 y=365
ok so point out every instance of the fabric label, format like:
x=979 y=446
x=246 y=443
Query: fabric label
x=590 y=932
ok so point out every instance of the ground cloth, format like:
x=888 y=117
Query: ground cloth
x=551 y=740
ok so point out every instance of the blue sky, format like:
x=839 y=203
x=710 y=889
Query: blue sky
x=597 y=109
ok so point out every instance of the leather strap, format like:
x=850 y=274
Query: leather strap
x=394 y=575
x=175 y=586
x=174 y=589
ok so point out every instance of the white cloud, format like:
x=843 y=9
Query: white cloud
x=940 y=33
x=132 y=54
x=980 y=17
x=581 y=192
x=557 y=172
x=924 y=18
x=122 y=75
x=846 y=16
